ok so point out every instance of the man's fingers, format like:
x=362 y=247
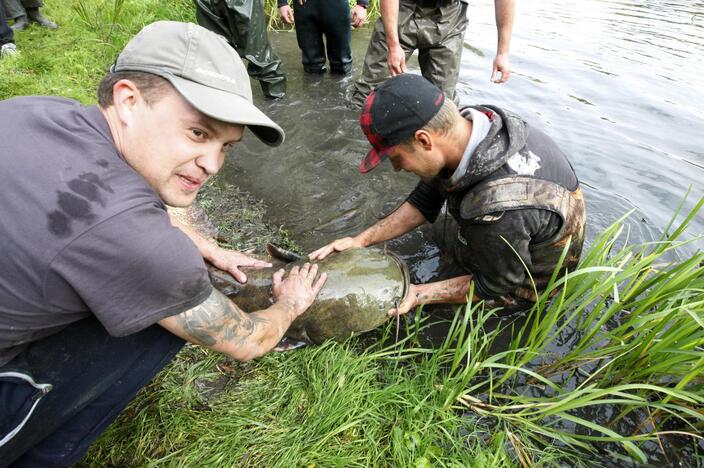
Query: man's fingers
x=239 y=276
x=320 y=282
x=278 y=276
x=313 y=271
x=305 y=269
x=321 y=253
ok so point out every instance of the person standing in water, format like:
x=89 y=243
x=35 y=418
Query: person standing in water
x=513 y=199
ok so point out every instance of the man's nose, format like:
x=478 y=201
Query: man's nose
x=211 y=161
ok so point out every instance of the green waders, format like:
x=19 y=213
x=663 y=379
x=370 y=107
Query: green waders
x=438 y=35
x=243 y=24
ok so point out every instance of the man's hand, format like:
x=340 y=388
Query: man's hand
x=300 y=288
x=501 y=66
x=231 y=261
x=359 y=16
x=286 y=14
x=409 y=302
x=335 y=246
x=396 y=60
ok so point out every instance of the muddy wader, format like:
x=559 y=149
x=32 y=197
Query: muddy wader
x=243 y=23
x=484 y=206
x=435 y=28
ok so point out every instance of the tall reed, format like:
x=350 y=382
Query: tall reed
x=632 y=320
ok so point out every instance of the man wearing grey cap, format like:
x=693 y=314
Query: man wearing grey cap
x=98 y=290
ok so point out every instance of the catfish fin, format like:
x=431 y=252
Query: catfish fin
x=282 y=254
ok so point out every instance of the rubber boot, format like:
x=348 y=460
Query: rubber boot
x=36 y=17
x=21 y=23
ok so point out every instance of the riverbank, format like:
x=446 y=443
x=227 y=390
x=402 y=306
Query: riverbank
x=626 y=386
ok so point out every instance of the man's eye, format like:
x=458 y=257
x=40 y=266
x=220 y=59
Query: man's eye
x=200 y=134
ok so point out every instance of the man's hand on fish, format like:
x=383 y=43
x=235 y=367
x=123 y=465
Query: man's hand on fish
x=231 y=261
x=299 y=289
x=409 y=302
x=337 y=245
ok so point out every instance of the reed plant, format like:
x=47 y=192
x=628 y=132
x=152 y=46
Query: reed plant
x=631 y=322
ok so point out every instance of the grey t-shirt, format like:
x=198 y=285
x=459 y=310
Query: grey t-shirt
x=81 y=232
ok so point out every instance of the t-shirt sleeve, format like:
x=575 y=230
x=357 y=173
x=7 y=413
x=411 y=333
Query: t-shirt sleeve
x=131 y=270
x=427 y=199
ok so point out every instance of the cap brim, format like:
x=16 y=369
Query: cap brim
x=229 y=107
x=373 y=158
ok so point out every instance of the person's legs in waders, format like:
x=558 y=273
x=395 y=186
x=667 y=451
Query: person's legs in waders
x=81 y=378
x=335 y=16
x=444 y=232
x=309 y=35
x=376 y=69
x=243 y=24
x=440 y=44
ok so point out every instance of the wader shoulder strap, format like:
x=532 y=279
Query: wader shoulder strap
x=515 y=193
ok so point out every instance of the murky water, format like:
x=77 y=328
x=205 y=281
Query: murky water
x=618 y=84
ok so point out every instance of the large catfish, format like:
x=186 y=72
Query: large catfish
x=362 y=285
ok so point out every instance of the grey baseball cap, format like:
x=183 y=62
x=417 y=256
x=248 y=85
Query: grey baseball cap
x=203 y=67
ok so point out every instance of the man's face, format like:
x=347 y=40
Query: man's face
x=423 y=163
x=175 y=147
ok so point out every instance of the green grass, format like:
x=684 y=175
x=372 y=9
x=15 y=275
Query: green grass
x=71 y=61
x=630 y=322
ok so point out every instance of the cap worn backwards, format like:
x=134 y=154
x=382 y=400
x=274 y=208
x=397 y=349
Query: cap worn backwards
x=394 y=111
x=204 y=69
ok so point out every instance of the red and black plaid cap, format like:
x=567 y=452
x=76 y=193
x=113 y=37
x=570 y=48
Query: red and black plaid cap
x=394 y=111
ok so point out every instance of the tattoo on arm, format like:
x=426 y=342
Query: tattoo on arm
x=218 y=319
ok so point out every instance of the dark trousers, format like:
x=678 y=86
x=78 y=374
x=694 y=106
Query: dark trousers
x=92 y=376
x=330 y=18
x=6 y=35
x=16 y=8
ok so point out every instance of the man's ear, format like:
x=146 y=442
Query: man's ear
x=424 y=139
x=125 y=97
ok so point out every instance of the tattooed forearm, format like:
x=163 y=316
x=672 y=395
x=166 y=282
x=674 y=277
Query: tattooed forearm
x=219 y=320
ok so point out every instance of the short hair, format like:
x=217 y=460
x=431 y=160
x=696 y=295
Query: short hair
x=441 y=123
x=151 y=86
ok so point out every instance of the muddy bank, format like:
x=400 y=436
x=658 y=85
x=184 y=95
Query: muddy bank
x=239 y=217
